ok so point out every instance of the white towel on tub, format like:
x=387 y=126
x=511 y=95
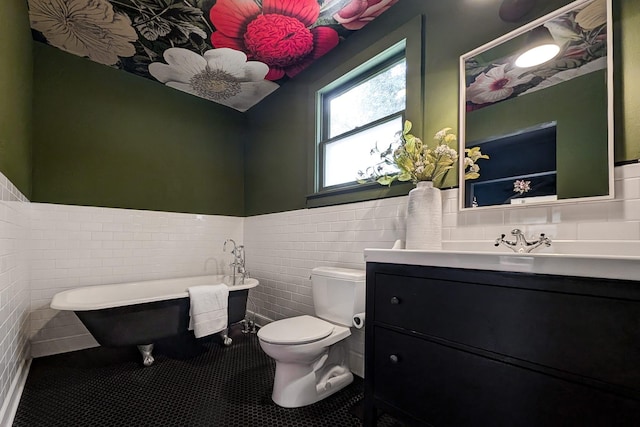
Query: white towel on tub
x=208 y=312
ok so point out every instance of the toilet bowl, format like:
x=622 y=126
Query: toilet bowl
x=309 y=367
x=311 y=354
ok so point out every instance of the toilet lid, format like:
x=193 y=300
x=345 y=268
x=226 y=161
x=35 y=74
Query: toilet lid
x=295 y=330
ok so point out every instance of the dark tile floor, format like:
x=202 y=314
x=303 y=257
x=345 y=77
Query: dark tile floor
x=192 y=383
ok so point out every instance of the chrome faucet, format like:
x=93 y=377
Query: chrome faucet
x=520 y=244
x=238 y=264
x=224 y=247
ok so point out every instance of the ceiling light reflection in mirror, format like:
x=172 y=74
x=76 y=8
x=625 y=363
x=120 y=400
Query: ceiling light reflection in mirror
x=541 y=47
x=548 y=128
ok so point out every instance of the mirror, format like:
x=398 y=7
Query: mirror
x=547 y=128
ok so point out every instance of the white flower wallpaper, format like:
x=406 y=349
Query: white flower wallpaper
x=232 y=52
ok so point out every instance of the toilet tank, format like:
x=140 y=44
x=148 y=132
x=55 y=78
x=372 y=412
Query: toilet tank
x=338 y=293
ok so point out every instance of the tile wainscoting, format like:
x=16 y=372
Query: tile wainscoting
x=14 y=294
x=47 y=248
x=282 y=248
x=613 y=226
x=73 y=246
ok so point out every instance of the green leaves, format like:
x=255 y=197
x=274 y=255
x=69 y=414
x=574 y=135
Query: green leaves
x=410 y=144
x=472 y=155
x=404 y=176
x=407 y=127
x=386 y=180
x=471 y=175
x=418 y=162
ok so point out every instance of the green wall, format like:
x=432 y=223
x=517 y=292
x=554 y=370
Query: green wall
x=282 y=132
x=626 y=73
x=16 y=81
x=99 y=136
x=579 y=106
x=103 y=137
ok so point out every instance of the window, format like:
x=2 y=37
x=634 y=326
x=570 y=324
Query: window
x=339 y=144
x=357 y=113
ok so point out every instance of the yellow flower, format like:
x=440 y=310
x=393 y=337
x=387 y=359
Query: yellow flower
x=418 y=162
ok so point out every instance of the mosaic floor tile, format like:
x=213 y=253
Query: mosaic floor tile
x=192 y=383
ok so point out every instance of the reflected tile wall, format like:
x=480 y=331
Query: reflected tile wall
x=606 y=220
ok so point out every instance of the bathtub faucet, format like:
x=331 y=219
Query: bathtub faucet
x=224 y=246
x=238 y=264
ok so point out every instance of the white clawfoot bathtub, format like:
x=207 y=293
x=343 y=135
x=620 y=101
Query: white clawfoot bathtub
x=139 y=313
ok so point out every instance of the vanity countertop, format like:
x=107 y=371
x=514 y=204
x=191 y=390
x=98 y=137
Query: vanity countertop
x=605 y=266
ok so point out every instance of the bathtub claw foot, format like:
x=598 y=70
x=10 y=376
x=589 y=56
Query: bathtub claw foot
x=147 y=357
x=224 y=334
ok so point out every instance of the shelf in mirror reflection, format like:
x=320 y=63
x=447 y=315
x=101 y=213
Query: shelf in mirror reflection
x=562 y=108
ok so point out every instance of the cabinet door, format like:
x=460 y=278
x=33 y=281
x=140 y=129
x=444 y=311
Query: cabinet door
x=444 y=386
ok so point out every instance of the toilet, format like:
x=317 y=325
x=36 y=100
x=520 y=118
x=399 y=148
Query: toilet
x=310 y=352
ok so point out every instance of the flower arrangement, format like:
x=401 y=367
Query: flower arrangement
x=413 y=160
x=521 y=186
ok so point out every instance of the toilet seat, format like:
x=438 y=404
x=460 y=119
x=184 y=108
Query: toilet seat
x=295 y=330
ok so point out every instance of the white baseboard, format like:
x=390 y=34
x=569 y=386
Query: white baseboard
x=62 y=345
x=258 y=318
x=356 y=363
x=10 y=405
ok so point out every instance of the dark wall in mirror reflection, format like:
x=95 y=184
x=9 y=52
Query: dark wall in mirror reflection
x=570 y=91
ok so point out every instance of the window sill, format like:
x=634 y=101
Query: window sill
x=357 y=193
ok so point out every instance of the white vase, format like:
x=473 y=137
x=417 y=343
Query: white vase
x=424 y=217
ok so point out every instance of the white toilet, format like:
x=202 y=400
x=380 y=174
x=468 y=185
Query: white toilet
x=310 y=353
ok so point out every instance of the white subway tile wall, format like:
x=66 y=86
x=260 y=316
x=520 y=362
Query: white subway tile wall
x=48 y=248
x=14 y=284
x=74 y=246
x=612 y=226
x=282 y=248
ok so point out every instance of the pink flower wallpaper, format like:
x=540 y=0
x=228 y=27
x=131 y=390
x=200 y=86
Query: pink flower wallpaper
x=232 y=52
x=581 y=35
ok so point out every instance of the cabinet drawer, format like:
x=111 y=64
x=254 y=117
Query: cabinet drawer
x=400 y=301
x=443 y=386
x=591 y=336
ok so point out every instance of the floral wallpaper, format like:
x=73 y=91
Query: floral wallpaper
x=582 y=36
x=233 y=52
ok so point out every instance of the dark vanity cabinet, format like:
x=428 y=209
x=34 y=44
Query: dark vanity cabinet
x=456 y=347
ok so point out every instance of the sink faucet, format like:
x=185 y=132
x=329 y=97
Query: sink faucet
x=238 y=264
x=520 y=244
